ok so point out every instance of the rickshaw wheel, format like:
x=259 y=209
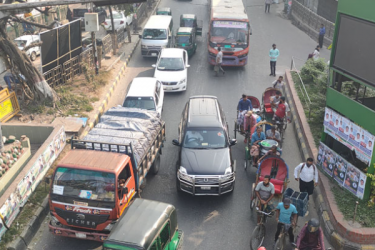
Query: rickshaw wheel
x=253 y=198
x=235 y=130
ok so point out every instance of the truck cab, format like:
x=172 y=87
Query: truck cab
x=186 y=39
x=90 y=190
x=190 y=20
x=154 y=227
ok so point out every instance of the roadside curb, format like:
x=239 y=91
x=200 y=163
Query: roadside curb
x=321 y=195
x=32 y=227
x=109 y=94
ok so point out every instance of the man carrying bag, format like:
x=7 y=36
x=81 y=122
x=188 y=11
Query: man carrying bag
x=308 y=176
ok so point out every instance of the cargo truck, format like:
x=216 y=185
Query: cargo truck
x=98 y=178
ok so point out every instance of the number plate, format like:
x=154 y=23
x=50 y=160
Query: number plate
x=81 y=235
x=153 y=54
x=206 y=188
x=168 y=88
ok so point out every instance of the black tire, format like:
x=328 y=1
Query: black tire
x=280 y=243
x=235 y=130
x=247 y=164
x=257 y=237
x=33 y=56
x=155 y=166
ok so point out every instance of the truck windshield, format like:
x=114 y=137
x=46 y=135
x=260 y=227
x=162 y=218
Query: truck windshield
x=155 y=34
x=84 y=184
x=183 y=39
x=229 y=32
x=202 y=138
x=140 y=102
x=170 y=64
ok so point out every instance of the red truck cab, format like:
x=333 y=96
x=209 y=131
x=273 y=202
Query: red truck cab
x=86 y=198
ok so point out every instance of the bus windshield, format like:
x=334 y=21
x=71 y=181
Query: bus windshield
x=229 y=32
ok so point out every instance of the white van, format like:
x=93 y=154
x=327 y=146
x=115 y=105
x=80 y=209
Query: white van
x=145 y=93
x=26 y=40
x=157 y=34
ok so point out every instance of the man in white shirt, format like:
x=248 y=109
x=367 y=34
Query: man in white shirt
x=219 y=61
x=307 y=175
x=278 y=84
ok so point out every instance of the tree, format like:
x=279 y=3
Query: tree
x=36 y=86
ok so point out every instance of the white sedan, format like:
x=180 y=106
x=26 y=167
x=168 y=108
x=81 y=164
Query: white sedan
x=171 y=69
x=119 y=20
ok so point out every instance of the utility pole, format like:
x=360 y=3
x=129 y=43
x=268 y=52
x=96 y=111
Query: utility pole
x=114 y=33
x=94 y=51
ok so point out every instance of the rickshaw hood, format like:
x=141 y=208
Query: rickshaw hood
x=205 y=161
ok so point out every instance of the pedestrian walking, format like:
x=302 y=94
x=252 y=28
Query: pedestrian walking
x=307 y=175
x=274 y=54
x=268 y=5
x=219 y=61
x=128 y=32
x=322 y=32
x=316 y=53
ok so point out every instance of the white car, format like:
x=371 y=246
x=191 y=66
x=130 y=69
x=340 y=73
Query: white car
x=26 y=40
x=119 y=20
x=145 y=93
x=171 y=69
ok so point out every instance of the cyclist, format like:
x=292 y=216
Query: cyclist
x=286 y=213
x=282 y=111
x=311 y=236
x=265 y=191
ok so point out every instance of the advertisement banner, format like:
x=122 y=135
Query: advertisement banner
x=344 y=173
x=28 y=184
x=349 y=134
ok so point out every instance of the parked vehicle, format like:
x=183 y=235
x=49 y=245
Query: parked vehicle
x=171 y=69
x=27 y=40
x=205 y=164
x=145 y=93
x=166 y=11
x=185 y=39
x=94 y=183
x=80 y=14
x=154 y=226
x=190 y=20
x=119 y=20
x=157 y=34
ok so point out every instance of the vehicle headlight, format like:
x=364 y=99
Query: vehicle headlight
x=182 y=81
x=54 y=219
x=110 y=226
x=228 y=171
x=182 y=173
x=144 y=46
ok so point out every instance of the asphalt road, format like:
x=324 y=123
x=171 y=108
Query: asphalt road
x=214 y=222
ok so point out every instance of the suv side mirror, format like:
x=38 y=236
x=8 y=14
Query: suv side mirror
x=175 y=142
x=233 y=142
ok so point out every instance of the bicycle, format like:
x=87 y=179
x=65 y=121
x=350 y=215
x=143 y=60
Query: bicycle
x=259 y=233
x=281 y=241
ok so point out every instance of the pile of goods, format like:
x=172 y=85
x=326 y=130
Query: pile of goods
x=12 y=152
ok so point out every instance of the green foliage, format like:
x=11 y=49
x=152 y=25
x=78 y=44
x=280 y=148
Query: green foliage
x=371 y=202
x=126 y=8
x=314 y=76
x=346 y=204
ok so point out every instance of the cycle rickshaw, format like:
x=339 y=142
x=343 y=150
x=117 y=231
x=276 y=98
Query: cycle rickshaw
x=268 y=111
x=238 y=126
x=278 y=170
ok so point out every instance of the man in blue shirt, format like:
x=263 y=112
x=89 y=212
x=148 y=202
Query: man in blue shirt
x=274 y=54
x=286 y=213
x=256 y=138
x=244 y=104
x=322 y=32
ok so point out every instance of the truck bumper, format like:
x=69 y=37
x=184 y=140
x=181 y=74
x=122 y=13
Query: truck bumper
x=152 y=52
x=85 y=235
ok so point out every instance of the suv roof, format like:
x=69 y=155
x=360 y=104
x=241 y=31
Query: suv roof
x=204 y=112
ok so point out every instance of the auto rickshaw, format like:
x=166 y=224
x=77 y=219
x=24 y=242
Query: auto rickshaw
x=166 y=11
x=190 y=20
x=185 y=39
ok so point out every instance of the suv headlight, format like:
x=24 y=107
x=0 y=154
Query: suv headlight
x=144 y=46
x=182 y=173
x=182 y=81
x=228 y=171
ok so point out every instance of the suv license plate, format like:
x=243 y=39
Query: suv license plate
x=206 y=188
x=153 y=54
x=81 y=235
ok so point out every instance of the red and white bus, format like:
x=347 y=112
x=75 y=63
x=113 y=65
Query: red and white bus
x=230 y=30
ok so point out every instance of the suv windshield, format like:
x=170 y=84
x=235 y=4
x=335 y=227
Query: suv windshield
x=171 y=64
x=155 y=34
x=205 y=138
x=187 y=23
x=183 y=39
x=20 y=43
x=84 y=184
x=140 y=102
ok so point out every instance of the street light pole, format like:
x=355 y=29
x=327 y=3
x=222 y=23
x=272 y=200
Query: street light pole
x=1 y=140
x=94 y=52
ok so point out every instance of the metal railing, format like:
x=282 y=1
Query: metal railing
x=303 y=90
